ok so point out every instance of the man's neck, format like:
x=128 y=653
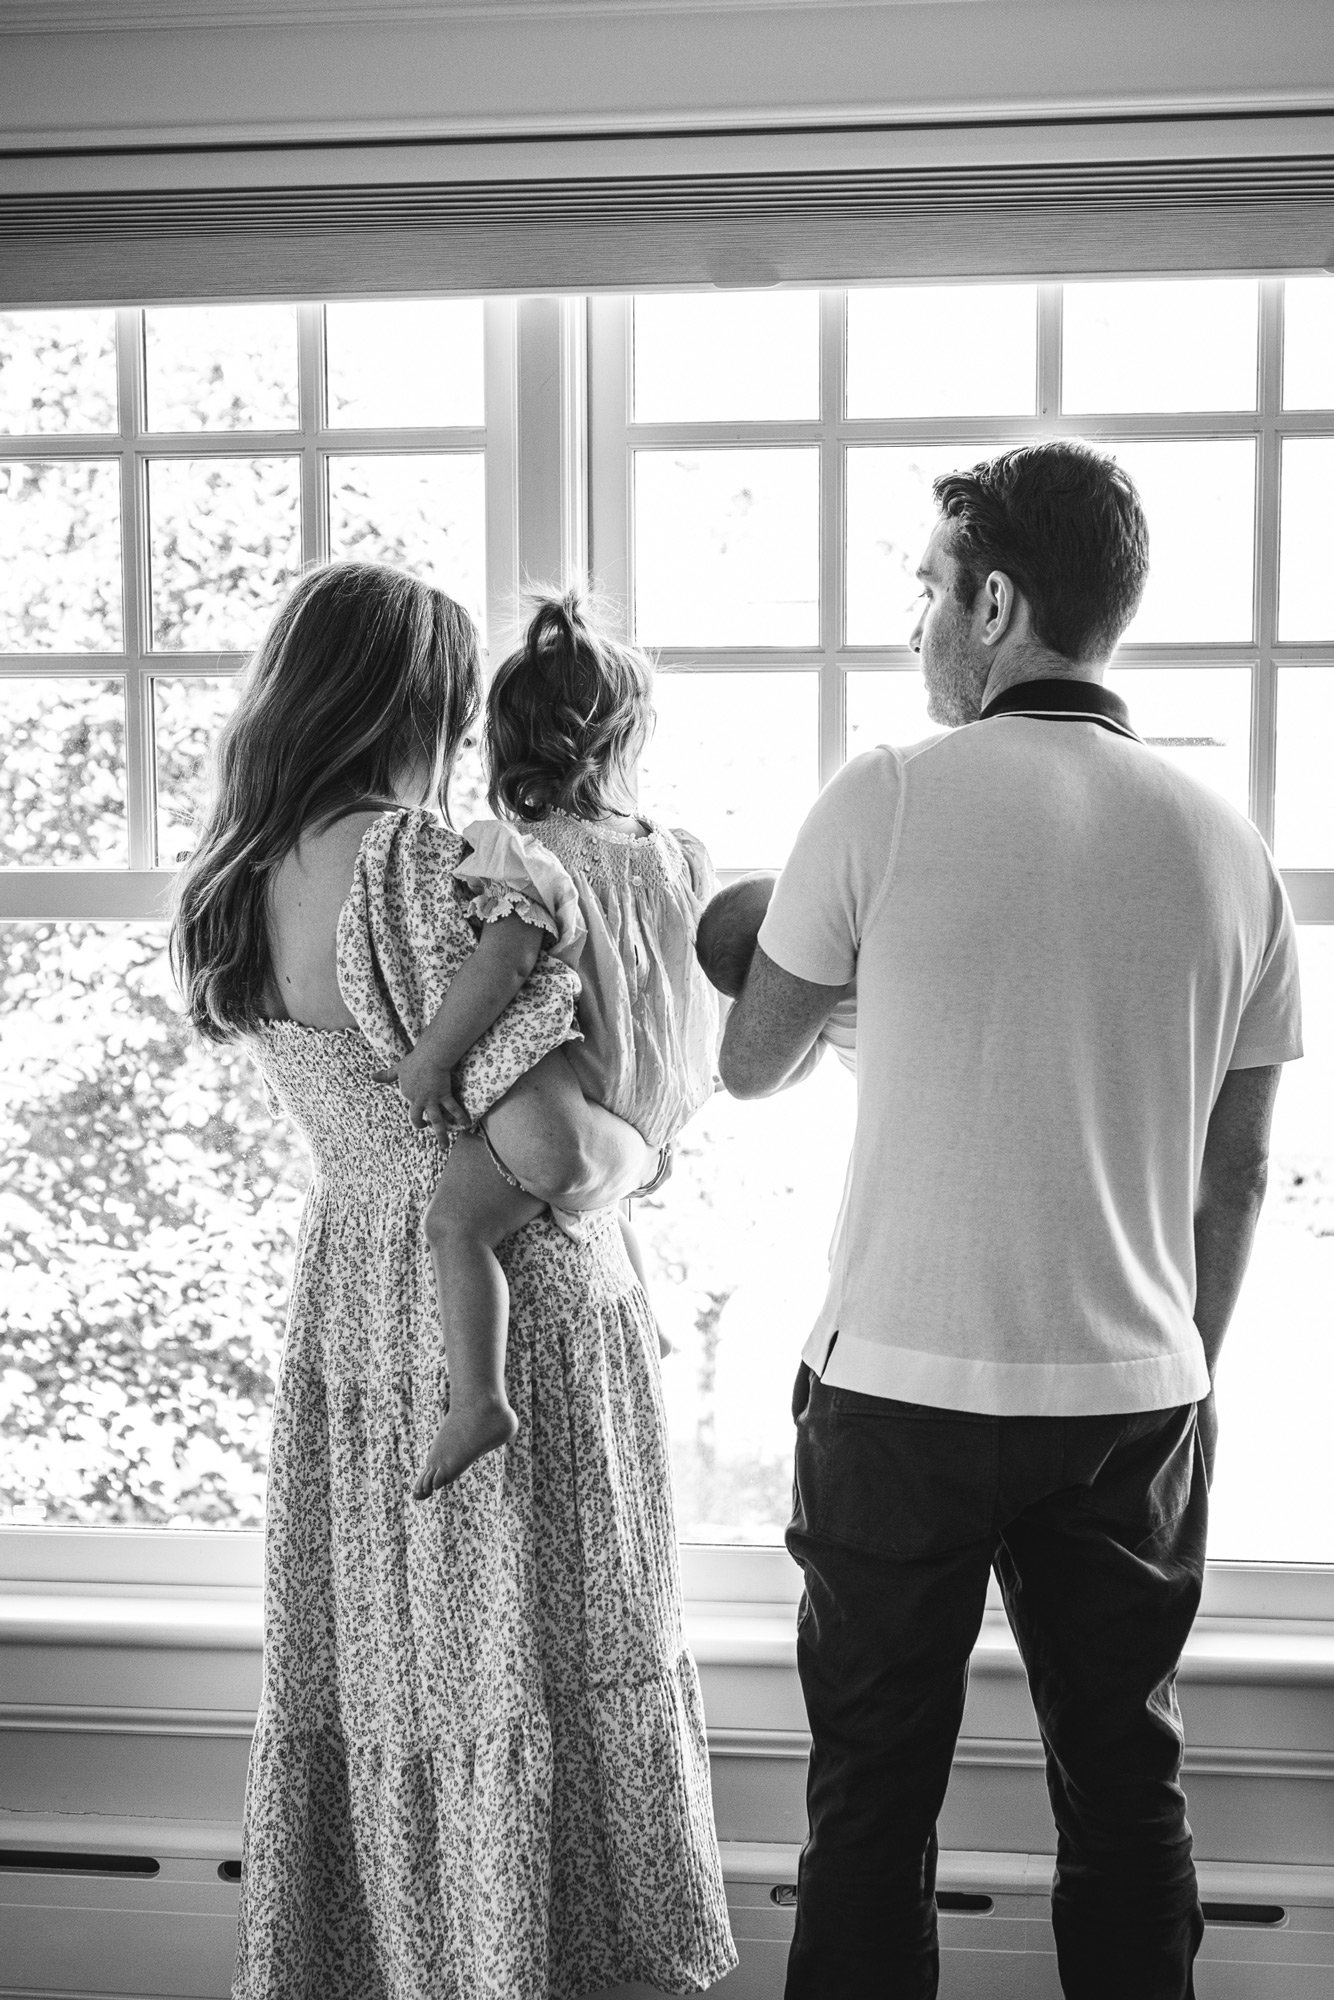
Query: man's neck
x=1037 y=663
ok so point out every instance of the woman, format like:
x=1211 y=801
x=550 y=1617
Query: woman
x=479 y=1767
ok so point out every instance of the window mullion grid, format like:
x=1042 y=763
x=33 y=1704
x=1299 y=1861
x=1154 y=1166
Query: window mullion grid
x=831 y=748
x=1050 y=322
x=314 y=486
x=136 y=609
x=611 y=470
x=574 y=440
x=501 y=476
x=1264 y=689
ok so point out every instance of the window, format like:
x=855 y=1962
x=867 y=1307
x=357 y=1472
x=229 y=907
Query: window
x=163 y=476
x=759 y=492
x=762 y=466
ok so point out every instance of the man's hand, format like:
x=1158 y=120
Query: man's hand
x=428 y=1086
x=771 y=1031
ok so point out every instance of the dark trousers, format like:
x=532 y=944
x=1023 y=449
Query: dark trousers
x=1096 y=1528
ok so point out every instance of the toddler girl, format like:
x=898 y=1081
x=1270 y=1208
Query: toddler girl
x=574 y=869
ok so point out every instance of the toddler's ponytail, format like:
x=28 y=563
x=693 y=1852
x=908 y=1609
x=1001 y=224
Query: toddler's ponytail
x=566 y=716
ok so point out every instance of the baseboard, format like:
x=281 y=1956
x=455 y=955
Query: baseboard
x=172 y=1936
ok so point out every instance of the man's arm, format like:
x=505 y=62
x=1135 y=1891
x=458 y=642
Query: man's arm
x=1227 y=1207
x=770 y=1039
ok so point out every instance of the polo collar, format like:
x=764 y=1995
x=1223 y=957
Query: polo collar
x=1055 y=699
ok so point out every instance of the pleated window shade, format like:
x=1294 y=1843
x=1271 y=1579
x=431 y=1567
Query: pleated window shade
x=569 y=231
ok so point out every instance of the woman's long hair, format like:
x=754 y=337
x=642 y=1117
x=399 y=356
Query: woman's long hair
x=363 y=672
x=566 y=716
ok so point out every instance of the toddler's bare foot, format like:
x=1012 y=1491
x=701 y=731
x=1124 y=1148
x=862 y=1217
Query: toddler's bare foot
x=468 y=1432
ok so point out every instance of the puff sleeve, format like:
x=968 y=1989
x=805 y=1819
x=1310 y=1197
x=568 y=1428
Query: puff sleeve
x=402 y=937
x=509 y=873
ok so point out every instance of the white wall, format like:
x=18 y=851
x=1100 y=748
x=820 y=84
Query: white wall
x=81 y=73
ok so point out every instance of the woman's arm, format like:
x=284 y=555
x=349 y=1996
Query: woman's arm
x=563 y=1149
x=479 y=993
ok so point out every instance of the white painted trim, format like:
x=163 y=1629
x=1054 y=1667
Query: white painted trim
x=383 y=73
x=55 y=17
x=84 y=895
x=1227 y=1652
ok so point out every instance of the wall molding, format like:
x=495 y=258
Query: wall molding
x=60 y=17
x=84 y=75
x=763 y=1745
x=1003 y=1753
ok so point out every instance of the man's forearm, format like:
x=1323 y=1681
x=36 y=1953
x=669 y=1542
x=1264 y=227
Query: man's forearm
x=1224 y=1234
x=771 y=1036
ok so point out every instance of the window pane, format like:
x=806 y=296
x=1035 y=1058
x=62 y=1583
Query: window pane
x=1199 y=718
x=734 y=759
x=1200 y=502
x=737 y=1248
x=890 y=517
x=60 y=557
x=224 y=543
x=425 y=513
x=727 y=548
x=188 y=715
x=57 y=372
x=62 y=776
x=1306 y=523
x=1308 y=343
x=943 y=351
x=1271 y=1497
x=887 y=708
x=407 y=364
x=706 y=357
x=222 y=368
x=1160 y=345
x=1304 y=794
x=151 y=1215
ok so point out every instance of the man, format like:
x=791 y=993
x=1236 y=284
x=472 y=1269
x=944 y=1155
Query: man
x=1076 y=978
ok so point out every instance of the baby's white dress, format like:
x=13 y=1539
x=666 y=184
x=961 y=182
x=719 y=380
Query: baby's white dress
x=622 y=910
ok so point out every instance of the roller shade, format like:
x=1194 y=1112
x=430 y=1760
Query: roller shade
x=357 y=227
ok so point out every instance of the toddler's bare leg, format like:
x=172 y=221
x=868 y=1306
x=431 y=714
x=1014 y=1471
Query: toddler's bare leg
x=472 y=1211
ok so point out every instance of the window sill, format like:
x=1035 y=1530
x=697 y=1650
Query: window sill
x=1296 y=1652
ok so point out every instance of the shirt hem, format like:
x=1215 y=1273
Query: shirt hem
x=1007 y=1388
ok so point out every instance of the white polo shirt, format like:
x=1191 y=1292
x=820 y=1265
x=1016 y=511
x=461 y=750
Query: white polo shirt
x=1061 y=945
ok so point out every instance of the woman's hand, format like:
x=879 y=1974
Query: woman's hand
x=428 y=1087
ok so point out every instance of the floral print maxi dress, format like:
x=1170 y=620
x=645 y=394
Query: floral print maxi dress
x=479 y=1770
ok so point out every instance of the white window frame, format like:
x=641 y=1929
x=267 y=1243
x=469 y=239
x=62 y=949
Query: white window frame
x=559 y=437
x=138 y=891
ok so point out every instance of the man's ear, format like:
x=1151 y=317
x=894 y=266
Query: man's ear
x=1000 y=604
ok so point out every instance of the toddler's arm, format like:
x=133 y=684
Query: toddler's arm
x=479 y=993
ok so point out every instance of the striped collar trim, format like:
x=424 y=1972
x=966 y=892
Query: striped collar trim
x=1055 y=699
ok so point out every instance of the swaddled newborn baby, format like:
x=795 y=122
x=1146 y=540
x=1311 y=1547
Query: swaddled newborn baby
x=725 y=944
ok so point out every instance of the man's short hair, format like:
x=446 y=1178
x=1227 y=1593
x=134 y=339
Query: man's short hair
x=1065 y=524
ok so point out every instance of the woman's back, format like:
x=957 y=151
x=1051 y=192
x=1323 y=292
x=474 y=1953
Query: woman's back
x=307 y=893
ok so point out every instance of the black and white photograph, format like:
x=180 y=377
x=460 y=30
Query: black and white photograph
x=666 y=999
